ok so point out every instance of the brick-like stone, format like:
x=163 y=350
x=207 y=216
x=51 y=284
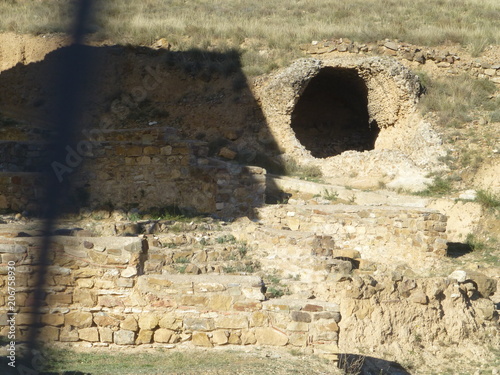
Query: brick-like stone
x=129 y=324
x=144 y=337
x=85 y=297
x=68 y=334
x=231 y=322
x=258 y=319
x=163 y=335
x=298 y=327
x=300 y=316
x=234 y=338
x=313 y=308
x=190 y=300
x=124 y=337
x=53 y=319
x=248 y=337
x=199 y=324
x=220 y=337
x=170 y=322
x=49 y=333
x=85 y=283
x=220 y=302
x=89 y=334
x=104 y=320
x=270 y=336
x=78 y=319
x=148 y=321
x=201 y=339
x=247 y=306
x=59 y=299
x=106 y=334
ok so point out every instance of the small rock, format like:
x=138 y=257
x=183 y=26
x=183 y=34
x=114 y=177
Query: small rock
x=88 y=244
x=469 y=195
x=391 y=45
x=458 y=275
x=227 y=153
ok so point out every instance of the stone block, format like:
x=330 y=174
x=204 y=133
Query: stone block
x=220 y=337
x=300 y=316
x=102 y=319
x=163 y=335
x=270 y=336
x=144 y=337
x=326 y=326
x=130 y=271
x=124 y=337
x=259 y=319
x=247 y=306
x=190 y=300
x=148 y=321
x=53 y=319
x=50 y=333
x=234 y=338
x=109 y=301
x=85 y=283
x=89 y=334
x=298 y=327
x=201 y=339
x=298 y=339
x=248 y=337
x=220 y=302
x=59 y=299
x=68 y=334
x=313 y=308
x=129 y=324
x=199 y=324
x=231 y=322
x=106 y=334
x=170 y=322
x=78 y=319
x=85 y=297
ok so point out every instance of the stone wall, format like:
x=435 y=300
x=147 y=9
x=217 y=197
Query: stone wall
x=373 y=231
x=20 y=191
x=96 y=295
x=138 y=168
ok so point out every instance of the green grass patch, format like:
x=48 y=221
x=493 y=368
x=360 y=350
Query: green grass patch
x=488 y=200
x=440 y=186
x=458 y=99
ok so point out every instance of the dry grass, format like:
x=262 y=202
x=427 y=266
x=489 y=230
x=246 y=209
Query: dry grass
x=269 y=32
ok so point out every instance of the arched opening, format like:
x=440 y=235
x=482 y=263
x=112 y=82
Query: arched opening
x=331 y=115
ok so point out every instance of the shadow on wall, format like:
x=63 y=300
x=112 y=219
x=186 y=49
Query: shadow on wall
x=177 y=126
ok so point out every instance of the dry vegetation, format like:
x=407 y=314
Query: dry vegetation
x=268 y=33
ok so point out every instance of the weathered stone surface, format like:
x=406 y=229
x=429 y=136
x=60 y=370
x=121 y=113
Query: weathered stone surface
x=50 y=333
x=201 y=339
x=300 y=316
x=231 y=322
x=220 y=337
x=85 y=297
x=78 y=319
x=106 y=334
x=270 y=336
x=129 y=272
x=53 y=319
x=124 y=337
x=68 y=334
x=163 y=335
x=59 y=299
x=259 y=319
x=89 y=334
x=104 y=320
x=234 y=338
x=458 y=275
x=248 y=337
x=148 y=321
x=129 y=324
x=220 y=302
x=419 y=297
x=170 y=322
x=199 y=324
x=144 y=337
x=297 y=326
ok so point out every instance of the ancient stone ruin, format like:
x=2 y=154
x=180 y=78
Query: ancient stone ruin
x=311 y=274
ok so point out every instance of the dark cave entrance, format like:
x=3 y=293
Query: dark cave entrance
x=331 y=115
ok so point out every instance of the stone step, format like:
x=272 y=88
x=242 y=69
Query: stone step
x=276 y=183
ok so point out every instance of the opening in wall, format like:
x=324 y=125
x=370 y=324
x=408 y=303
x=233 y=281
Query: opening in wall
x=331 y=115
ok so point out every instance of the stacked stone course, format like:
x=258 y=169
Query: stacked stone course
x=96 y=295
